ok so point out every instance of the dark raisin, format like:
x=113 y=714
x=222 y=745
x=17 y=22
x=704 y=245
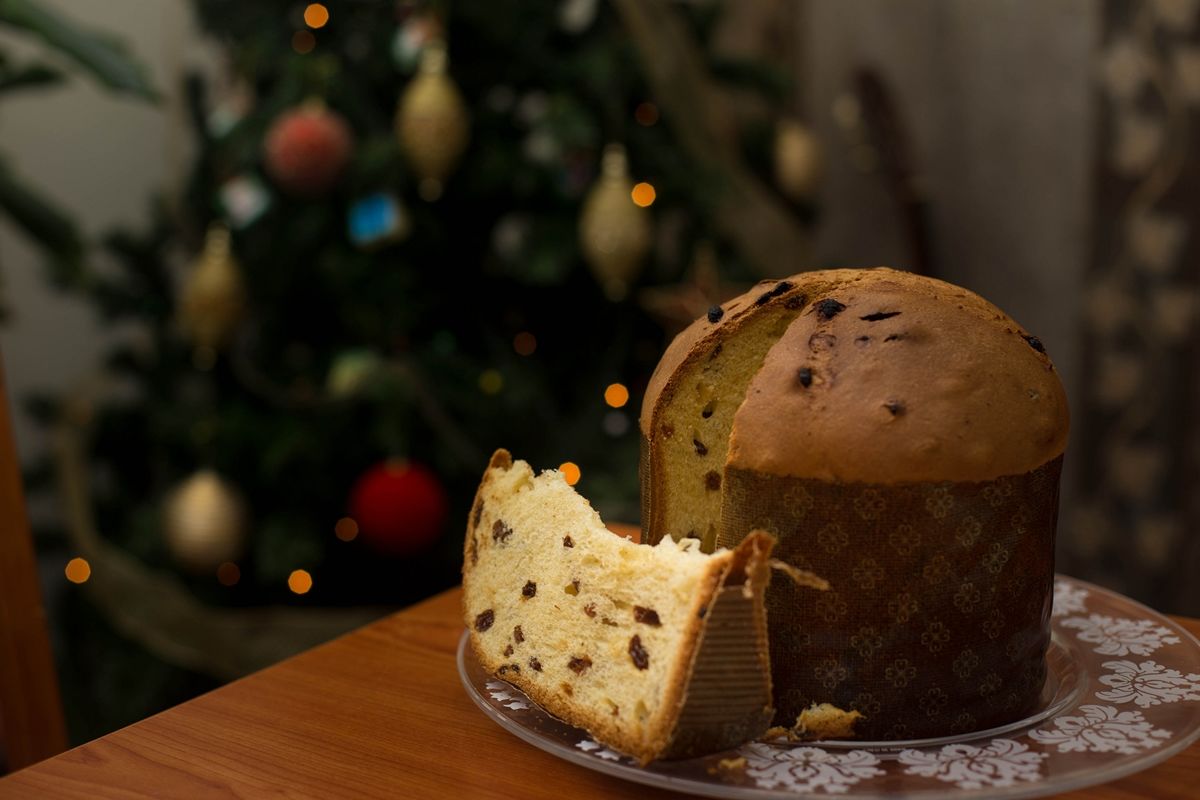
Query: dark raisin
x=590 y=609
x=794 y=302
x=707 y=411
x=535 y=665
x=568 y=541
x=712 y=480
x=508 y=651
x=484 y=620
x=878 y=315
x=503 y=669
x=894 y=406
x=501 y=531
x=514 y=667
x=715 y=313
x=646 y=616
x=701 y=450
x=1034 y=342
x=579 y=664
x=608 y=622
x=473 y=549
x=529 y=590
x=895 y=337
x=777 y=290
x=863 y=341
x=518 y=634
x=804 y=377
x=829 y=308
x=478 y=513
x=641 y=659
x=566 y=689
x=616 y=712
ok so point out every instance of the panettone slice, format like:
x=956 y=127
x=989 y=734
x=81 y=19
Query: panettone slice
x=658 y=651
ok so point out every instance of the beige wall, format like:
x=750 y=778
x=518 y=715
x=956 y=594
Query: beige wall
x=100 y=157
x=998 y=97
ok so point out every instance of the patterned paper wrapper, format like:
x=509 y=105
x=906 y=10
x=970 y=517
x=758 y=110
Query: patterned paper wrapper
x=938 y=616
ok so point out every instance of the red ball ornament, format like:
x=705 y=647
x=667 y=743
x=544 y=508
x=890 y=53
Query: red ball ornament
x=307 y=148
x=400 y=507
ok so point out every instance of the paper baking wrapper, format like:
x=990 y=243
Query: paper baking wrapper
x=938 y=615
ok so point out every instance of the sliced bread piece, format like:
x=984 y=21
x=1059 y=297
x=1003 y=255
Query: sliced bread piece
x=658 y=651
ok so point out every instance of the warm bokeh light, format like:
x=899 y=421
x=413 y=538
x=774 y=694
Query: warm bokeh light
x=316 y=15
x=228 y=573
x=303 y=42
x=570 y=471
x=616 y=395
x=524 y=343
x=300 y=581
x=491 y=381
x=78 y=570
x=646 y=114
x=346 y=529
x=643 y=194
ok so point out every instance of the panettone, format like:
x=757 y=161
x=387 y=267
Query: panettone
x=657 y=651
x=903 y=438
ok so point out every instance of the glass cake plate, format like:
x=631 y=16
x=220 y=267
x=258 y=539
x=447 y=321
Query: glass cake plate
x=1122 y=694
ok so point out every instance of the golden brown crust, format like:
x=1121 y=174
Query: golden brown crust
x=701 y=335
x=914 y=380
x=695 y=343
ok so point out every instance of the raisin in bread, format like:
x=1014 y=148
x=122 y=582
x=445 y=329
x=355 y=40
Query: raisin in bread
x=903 y=438
x=657 y=651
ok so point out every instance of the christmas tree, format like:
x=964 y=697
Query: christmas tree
x=413 y=233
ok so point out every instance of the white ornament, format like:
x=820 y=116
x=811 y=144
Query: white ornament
x=1121 y=637
x=1102 y=729
x=807 y=769
x=1147 y=684
x=1068 y=598
x=1002 y=763
x=598 y=750
x=503 y=694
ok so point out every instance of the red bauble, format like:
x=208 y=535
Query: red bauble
x=400 y=507
x=307 y=148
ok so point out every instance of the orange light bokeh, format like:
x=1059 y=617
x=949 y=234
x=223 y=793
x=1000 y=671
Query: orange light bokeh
x=570 y=471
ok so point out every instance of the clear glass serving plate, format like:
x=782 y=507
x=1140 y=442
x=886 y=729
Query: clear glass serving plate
x=1122 y=694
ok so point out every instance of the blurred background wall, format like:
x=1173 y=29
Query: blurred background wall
x=102 y=157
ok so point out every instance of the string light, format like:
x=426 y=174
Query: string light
x=524 y=343
x=646 y=114
x=346 y=529
x=316 y=15
x=643 y=194
x=616 y=395
x=78 y=570
x=491 y=381
x=570 y=471
x=300 y=581
x=303 y=42
x=228 y=573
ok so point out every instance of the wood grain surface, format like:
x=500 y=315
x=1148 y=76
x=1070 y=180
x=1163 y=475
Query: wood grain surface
x=377 y=713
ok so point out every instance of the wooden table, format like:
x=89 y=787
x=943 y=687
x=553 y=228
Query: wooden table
x=379 y=712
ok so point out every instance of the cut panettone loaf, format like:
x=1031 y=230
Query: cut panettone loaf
x=903 y=438
x=658 y=652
